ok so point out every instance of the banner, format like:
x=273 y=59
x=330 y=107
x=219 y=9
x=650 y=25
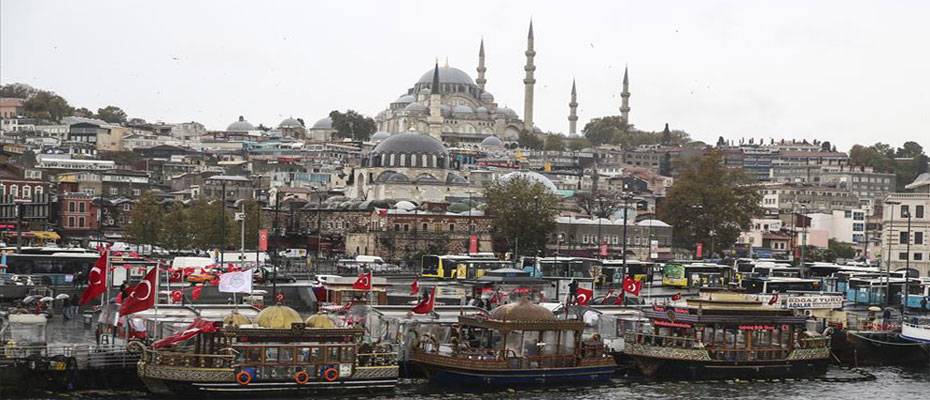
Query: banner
x=808 y=302
x=263 y=240
x=236 y=282
x=473 y=244
x=700 y=250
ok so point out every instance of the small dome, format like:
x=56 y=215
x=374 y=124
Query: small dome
x=447 y=75
x=507 y=112
x=290 y=123
x=407 y=98
x=325 y=123
x=462 y=109
x=491 y=141
x=236 y=319
x=321 y=321
x=415 y=107
x=426 y=178
x=278 y=317
x=487 y=97
x=650 y=222
x=522 y=310
x=240 y=126
x=456 y=179
x=405 y=205
x=391 y=176
x=410 y=143
x=379 y=136
x=481 y=110
x=532 y=177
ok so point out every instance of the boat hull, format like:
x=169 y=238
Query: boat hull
x=658 y=368
x=462 y=377
x=874 y=348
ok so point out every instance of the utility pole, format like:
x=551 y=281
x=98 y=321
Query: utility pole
x=274 y=247
x=907 y=267
x=18 y=204
x=890 y=203
x=223 y=224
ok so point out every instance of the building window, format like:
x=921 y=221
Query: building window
x=902 y=256
x=918 y=211
x=39 y=191
x=81 y=222
x=114 y=191
x=904 y=210
x=918 y=256
x=425 y=227
x=14 y=190
x=136 y=192
x=406 y=228
x=70 y=222
x=81 y=207
x=918 y=238
x=71 y=206
x=396 y=227
x=858 y=227
x=27 y=192
x=451 y=227
x=903 y=238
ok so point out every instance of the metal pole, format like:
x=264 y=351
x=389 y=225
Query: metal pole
x=19 y=225
x=274 y=249
x=319 y=231
x=888 y=258
x=625 y=200
x=223 y=224
x=242 y=239
x=907 y=268
x=258 y=225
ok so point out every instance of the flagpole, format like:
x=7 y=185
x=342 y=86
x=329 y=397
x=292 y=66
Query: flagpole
x=157 y=273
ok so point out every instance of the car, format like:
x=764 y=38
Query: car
x=263 y=275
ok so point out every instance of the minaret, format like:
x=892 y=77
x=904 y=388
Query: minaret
x=435 y=99
x=573 y=111
x=481 y=68
x=529 y=81
x=625 y=94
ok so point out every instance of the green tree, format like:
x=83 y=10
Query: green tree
x=710 y=203
x=523 y=214
x=604 y=130
x=554 y=143
x=352 y=125
x=176 y=235
x=578 y=144
x=841 y=249
x=206 y=221
x=145 y=220
x=879 y=156
x=83 y=112
x=112 y=114
x=47 y=105
x=909 y=150
x=17 y=91
x=530 y=141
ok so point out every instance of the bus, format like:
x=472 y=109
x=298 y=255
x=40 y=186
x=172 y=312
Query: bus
x=769 y=285
x=459 y=266
x=673 y=274
x=565 y=267
x=51 y=265
x=613 y=273
x=703 y=275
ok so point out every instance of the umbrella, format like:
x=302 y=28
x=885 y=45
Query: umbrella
x=30 y=299
x=62 y=296
x=46 y=299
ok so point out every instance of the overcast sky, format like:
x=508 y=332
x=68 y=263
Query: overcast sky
x=845 y=71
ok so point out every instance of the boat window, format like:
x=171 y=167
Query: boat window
x=347 y=354
x=316 y=354
x=254 y=354
x=286 y=355
x=271 y=354
x=303 y=355
x=333 y=354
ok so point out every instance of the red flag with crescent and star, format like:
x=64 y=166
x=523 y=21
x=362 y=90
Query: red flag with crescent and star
x=142 y=296
x=363 y=282
x=195 y=292
x=632 y=286
x=583 y=296
x=96 y=279
x=425 y=306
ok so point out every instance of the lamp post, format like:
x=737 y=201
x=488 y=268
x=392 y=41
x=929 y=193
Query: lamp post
x=18 y=203
x=891 y=203
x=907 y=265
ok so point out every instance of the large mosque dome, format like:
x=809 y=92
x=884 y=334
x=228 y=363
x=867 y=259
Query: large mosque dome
x=447 y=74
x=531 y=176
x=409 y=150
x=240 y=126
x=324 y=123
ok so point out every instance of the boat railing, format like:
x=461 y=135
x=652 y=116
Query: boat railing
x=377 y=359
x=84 y=356
x=723 y=353
x=661 y=340
x=191 y=360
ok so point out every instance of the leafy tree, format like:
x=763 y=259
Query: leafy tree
x=841 y=249
x=825 y=146
x=710 y=203
x=613 y=130
x=909 y=150
x=178 y=234
x=578 y=144
x=47 y=105
x=17 y=90
x=665 y=165
x=352 y=125
x=112 y=114
x=554 y=143
x=146 y=220
x=83 y=112
x=530 y=141
x=879 y=156
x=604 y=130
x=523 y=214
x=207 y=221
x=721 y=141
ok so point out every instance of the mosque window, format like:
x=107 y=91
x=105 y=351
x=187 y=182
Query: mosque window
x=425 y=161
x=391 y=163
x=403 y=160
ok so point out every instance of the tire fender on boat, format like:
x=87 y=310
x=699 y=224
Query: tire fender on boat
x=301 y=377
x=330 y=374
x=244 y=378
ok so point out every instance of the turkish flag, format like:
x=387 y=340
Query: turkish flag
x=425 y=305
x=676 y=296
x=175 y=276
x=195 y=292
x=363 y=282
x=632 y=286
x=414 y=287
x=195 y=328
x=96 y=279
x=176 y=296
x=142 y=296
x=583 y=296
x=618 y=301
x=774 y=299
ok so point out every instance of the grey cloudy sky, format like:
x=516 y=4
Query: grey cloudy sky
x=845 y=71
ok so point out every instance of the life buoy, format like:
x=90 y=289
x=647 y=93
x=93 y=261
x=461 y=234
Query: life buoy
x=301 y=377
x=330 y=374
x=244 y=378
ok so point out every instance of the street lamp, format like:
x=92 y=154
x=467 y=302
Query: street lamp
x=907 y=265
x=19 y=223
x=891 y=203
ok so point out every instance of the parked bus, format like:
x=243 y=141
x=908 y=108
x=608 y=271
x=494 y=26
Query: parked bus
x=613 y=271
x=673 y=274
x=52 y=265
x=459 y=266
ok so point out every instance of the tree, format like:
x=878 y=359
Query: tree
x=352 y=125
x=665 y=165
x=554 y=143
x=578 y=144
x=879 y=156
x=112 y=114
x=83 y=112
x=613 y=130
x=145 y=220
x=841 y=249
x=523 y=214
x=530 y=141
x=909 y=150
x=721 y=141
x=177 y=235
x=17 y=91
x=825 y=146
x=207 y=221
x=710 y=203
x=47 y=105
x=604 y=130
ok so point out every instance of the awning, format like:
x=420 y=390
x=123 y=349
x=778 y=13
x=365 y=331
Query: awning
x=45 y=235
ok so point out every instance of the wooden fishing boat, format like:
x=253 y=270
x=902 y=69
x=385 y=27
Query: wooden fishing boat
x=278 y=355
x=726 y=336
x=520 y=343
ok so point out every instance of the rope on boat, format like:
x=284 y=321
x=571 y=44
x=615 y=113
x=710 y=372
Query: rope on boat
x=882 y=342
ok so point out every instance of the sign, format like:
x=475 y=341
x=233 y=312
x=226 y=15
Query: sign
x=473 y=244
x=240 y=216
x=653 y=249
x=757 y=327
x=807 y=302
x=700 y=250
x=669 y=324
x=263 y=240
x=603 y=249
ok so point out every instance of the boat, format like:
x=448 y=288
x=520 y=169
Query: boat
x=727 y=335
x=278 y=354
x=518 y=344
x=874 y=341
x=916 y=330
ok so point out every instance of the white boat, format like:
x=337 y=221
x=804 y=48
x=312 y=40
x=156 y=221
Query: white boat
x=916 y=329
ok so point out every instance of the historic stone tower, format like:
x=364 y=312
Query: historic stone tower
x=481 y=68
x=573 y=111
x=435 y=100
x=528 y=82
x=625 y=94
